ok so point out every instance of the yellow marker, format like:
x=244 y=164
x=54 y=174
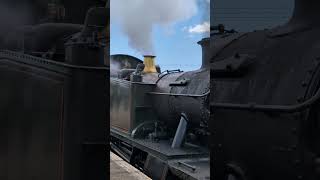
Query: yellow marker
x=149 y=64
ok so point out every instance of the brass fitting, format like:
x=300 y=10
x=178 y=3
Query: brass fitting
x=149 y=64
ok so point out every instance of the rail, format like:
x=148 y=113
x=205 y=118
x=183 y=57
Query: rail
x=181 y=95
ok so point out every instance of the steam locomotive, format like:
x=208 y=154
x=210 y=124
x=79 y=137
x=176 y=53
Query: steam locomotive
x=265 y=101
x=159 y=120
x=54 y=95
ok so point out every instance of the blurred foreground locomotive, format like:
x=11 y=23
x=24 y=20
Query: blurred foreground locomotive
x=53 y=95
x=159 y=121
x=265 y=101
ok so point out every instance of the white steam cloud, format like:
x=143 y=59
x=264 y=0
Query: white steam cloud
x=200 y=28
x=138 y=17
x=115 y=67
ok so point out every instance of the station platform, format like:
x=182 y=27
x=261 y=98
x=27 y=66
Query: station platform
x=121 y=170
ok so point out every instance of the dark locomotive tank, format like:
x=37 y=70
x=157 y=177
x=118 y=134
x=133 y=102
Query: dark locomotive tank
x=265 y=101
x=54 y=98
x=175 y=92
x=188 y=93
x=159 y=120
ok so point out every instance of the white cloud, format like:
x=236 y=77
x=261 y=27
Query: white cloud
x=200 y=28
x=137 y=18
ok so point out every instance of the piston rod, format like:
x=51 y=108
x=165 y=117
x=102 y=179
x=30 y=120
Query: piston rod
x=181 y=131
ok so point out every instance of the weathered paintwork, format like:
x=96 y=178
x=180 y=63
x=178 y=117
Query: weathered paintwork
x=264 y=141
x=145 y=116
x=129 y=104
x=54 y=103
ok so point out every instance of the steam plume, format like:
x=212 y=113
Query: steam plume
x=115 y=67
x=138 y=17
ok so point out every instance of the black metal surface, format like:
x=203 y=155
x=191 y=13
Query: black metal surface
x=164 y=159
x=30 y=126
x=155 y=168
x=191 y=98
x=54 y=114
x=38 y=38
x=261 y=124
x=193 y=168
x=161 y=149
x=270 y=108
x=48 y=131
x=148 y=118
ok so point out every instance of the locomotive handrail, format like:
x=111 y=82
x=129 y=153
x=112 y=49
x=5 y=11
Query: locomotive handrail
x=183 y=95
x=167 y=72
x=269 y=108
x=28 y=59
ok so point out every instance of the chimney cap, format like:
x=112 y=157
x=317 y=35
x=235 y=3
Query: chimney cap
x=152 y=56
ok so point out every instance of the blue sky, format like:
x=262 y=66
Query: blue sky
x=175 y=49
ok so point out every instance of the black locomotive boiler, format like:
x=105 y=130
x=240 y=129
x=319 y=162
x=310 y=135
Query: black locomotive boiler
x=54 y=96
x=265 y=101
x=159 y=120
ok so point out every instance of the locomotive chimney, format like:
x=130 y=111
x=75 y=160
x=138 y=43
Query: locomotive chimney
x=306 y=11
x=205 y=45
x=149 y=64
